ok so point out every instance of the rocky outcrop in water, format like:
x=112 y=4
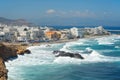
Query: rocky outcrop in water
x=67 y=54
x=22 y=51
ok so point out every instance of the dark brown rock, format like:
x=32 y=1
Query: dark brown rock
x=67 y=54
x=7 y=52
x=3 y=70
x=27 y=51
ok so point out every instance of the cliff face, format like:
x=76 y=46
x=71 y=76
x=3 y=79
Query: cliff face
x=20 y=49
x=3 y=70
x=7 y=52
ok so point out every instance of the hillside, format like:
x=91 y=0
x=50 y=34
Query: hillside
x=18 y=22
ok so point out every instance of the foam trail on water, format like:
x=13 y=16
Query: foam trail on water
x=108 y=40
x=117 y=46
x=67 y=46
x=105 y=41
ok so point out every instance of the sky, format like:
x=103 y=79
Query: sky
x=63 y=12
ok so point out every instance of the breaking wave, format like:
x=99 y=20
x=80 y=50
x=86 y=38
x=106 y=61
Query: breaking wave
x=90 y=49
x=41 y=57
x=43 y=54
x=94 y=57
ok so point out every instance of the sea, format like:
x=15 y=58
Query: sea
x=102 y=61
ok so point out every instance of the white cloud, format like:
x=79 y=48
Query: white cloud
x=84 y=14
x=50 y=11
x=70 y=13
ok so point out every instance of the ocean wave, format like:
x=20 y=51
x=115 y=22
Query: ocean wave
x=94 y=57
x=68 y=46
x=46 y=57
x=117 y=46
x=41 y=56
x=108 y=40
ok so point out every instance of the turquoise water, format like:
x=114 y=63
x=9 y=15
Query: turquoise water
x=102 y=63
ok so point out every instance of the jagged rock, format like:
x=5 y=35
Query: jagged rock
x=67 y=54
x=27 y=51
x=7 y=52
x=20 y=52
x=3 y=70
x=23 y=51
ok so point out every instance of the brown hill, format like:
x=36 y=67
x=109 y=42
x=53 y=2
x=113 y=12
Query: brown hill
x=18 y=22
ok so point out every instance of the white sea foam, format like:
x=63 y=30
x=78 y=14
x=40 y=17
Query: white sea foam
x=104 y=41
x=117 y=46
x=67 y=46
x=88 y=49
x=36 y=58
x=66 y=60
x=108 y=40
x=44 y=56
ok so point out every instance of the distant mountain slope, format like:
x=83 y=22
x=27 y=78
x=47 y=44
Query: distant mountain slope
x=18 y=22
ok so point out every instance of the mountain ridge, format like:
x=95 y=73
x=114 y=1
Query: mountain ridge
x=17 y=22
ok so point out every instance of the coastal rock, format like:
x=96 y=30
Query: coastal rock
x=27 y=51
x=23 y=51
x=7 y=52
x=3 y=70
x=67 y=54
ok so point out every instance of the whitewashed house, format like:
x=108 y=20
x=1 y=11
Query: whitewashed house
x=36 y=33
x=10 y=34
x=66 y=34
x=2 y=36
x=77 y=32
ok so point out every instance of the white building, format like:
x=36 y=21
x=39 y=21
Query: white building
x=36 y=34
x=77 y=32
x=65 y=34
x=100 y=31
x=2 y=36
x=96 y=31
x=10 y=36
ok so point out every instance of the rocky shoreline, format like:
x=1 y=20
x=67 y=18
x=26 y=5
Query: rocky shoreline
x=8 y=52
x=12 y=50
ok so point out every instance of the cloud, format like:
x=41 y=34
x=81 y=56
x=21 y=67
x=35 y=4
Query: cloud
x=50 y=11
x=70 y=13
x=83 y=14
